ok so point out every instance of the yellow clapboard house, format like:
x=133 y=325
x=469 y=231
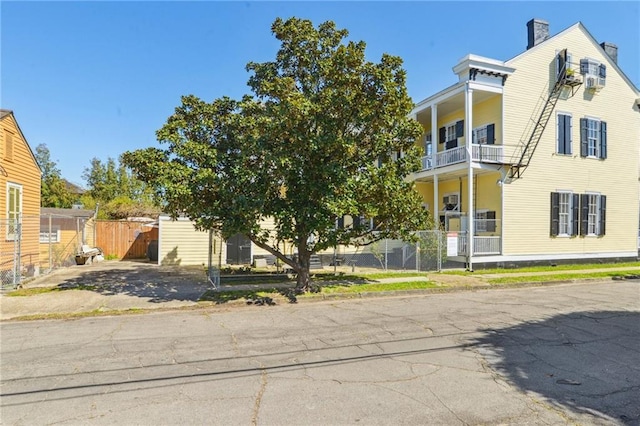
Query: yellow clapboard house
x=536 y=157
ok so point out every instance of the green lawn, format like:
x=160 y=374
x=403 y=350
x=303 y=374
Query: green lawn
x=559 y=277
x=41 y=290
x=373 y=287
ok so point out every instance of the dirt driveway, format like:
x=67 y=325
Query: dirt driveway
x=110 y=285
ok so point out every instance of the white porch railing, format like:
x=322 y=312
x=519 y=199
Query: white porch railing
x=481 y=153
x=451 y=156
x=488 y=153
x=481 y=245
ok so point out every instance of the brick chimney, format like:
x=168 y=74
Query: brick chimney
x=611 y=50
x=537 y=32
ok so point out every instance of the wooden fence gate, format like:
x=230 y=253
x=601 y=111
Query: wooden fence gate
x=125 y=240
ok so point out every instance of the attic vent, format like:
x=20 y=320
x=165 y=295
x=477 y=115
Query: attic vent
x=8 y=153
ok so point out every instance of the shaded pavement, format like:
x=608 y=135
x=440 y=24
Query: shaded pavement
x=131 y=285
x=549 y=355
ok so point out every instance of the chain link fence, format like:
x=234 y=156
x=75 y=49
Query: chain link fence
x=427 y=253
x=35 y=245
x=19 y=251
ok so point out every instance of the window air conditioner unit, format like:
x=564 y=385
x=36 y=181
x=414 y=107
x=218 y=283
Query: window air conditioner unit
x=594 y=83
x=450 y=202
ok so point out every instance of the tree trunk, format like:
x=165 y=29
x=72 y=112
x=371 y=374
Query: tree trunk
x=304 y=282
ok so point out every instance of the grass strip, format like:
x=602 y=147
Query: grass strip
x=559 y=277
x=373 y=287
x=76 y=315
x=22 y=292
x=247 y=295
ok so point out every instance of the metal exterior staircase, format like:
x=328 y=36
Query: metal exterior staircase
x=564 y=79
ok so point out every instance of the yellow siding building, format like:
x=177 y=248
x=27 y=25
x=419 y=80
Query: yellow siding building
x=179 y=243
x=541 y=151
x=20 y=178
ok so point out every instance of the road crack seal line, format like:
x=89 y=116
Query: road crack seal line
x=256 y=406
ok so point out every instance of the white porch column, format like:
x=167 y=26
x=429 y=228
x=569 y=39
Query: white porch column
x=434 y=130
x=436 y=199
x=434 y=154
x=468 y=133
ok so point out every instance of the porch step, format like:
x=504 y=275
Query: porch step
x=315 y=262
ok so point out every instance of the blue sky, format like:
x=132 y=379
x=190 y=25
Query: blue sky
x=95 y=79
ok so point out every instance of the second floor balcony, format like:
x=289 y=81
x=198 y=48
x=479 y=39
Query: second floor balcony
x=495 y=154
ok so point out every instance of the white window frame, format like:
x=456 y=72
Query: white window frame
x=450 y=132
x=55 y=235
x=593 y=218
x=558 y=114
x=480 y=135
x=594 y=135
x=565 y=213
x=593 y=71
x=13 y=217
x=480 y=224
x=593 y=68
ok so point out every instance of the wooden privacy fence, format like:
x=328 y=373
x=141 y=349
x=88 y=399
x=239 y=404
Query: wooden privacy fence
x=124 y=240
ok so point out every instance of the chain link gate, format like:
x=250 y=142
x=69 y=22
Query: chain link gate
x=10 y=269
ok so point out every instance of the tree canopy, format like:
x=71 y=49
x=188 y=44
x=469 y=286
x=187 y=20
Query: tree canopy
x=325 y=134
x=119 y=194
x=54 y=190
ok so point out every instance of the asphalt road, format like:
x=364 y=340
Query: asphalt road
x=561 y=354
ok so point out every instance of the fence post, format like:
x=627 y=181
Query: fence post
x=439 y=255
x=17 y=258
x=386 y=253
x=418 y=256
x=50 y=246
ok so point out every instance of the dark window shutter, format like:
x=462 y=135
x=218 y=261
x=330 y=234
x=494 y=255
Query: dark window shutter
x=356 y=221
x=491 y=134
x=460 y=129
x=555 y=213
x=584 y=66
x=341 y=222
x=602 y=71
x=584 y=214
x=451 y=144
x=575 y=211
x=491 y=221
x=561 y=133
x=603 y=214
x=567 y=134
x=561 y=60
x=442 y=135
x=584 y=143
x=603 y=139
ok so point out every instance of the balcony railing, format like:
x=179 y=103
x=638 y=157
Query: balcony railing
x=481 y=245
x=451 y=156
x=481 y=153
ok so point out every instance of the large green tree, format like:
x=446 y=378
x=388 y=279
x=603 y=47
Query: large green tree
x=119 y=194
x=54 y=190
x=317 y=141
